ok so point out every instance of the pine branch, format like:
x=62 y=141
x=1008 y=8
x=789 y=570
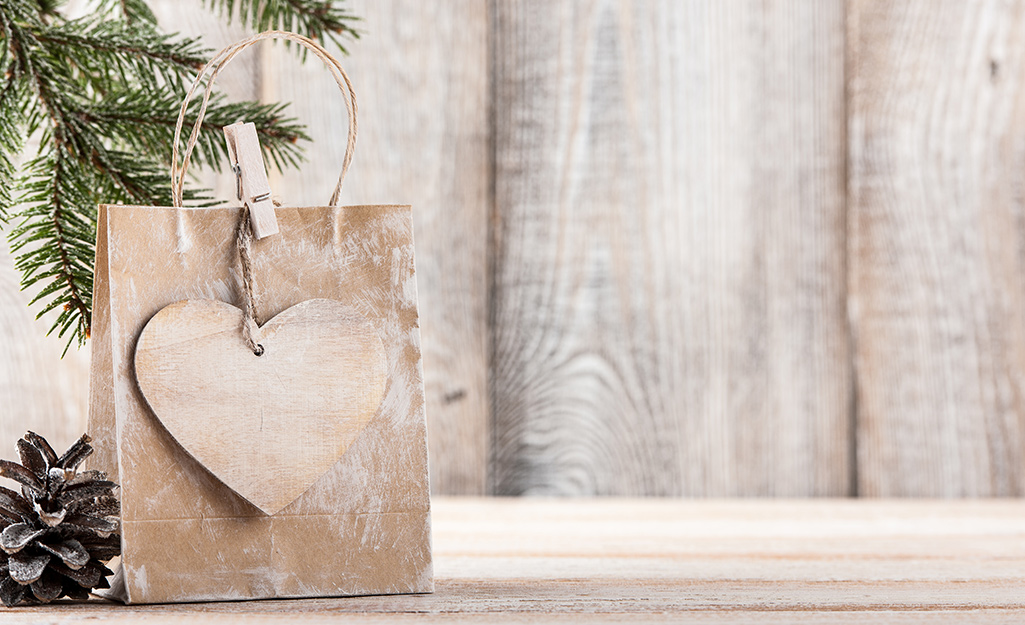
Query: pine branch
x=137 y=55
x=103 y=98
x=145 y=121
x=53 y=243
x=129 y=10
x=318 y=19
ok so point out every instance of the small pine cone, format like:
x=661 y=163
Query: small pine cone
x=60 y=531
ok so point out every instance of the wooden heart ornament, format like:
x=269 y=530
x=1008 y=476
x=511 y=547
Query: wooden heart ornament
x=267 y=426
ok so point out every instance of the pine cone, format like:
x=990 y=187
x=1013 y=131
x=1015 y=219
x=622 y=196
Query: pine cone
x=61 y=530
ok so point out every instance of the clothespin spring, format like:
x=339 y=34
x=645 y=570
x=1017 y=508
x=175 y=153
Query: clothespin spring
x=238 y=180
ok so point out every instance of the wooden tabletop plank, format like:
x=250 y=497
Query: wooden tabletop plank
x=810 y=561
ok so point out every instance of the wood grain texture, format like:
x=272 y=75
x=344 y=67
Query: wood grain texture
x=669 y=247
x=420 y=76
x=294 y=409
x=668 y=290
x=937 y=232
x=39 y=390
x=656 y=560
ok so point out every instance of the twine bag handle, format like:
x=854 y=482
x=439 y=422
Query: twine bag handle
x=213 y=68
x=243 y=233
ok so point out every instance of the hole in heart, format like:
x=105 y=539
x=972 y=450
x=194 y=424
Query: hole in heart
x=259 y=350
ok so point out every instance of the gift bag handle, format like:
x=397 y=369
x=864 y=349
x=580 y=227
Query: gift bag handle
x=214 y=67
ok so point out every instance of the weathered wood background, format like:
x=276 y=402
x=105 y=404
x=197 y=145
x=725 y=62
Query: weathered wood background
x=701 y=248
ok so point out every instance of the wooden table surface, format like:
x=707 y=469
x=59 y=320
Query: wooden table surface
x=765 y=561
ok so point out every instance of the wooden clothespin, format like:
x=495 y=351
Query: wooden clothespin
x=253 y=186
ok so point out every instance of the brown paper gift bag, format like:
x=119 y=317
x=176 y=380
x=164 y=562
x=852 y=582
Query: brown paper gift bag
x=298 y=472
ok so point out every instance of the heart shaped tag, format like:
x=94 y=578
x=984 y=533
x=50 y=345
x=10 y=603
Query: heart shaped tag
x=267 y=426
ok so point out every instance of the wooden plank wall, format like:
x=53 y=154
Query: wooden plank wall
x=38 y=390
x=668 y=311
x=937 y=233
x=696 y=248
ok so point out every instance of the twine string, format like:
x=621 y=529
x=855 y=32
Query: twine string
x=244 y=245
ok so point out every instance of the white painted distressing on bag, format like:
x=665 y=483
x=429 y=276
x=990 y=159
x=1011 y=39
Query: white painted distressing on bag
x=363 y=527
